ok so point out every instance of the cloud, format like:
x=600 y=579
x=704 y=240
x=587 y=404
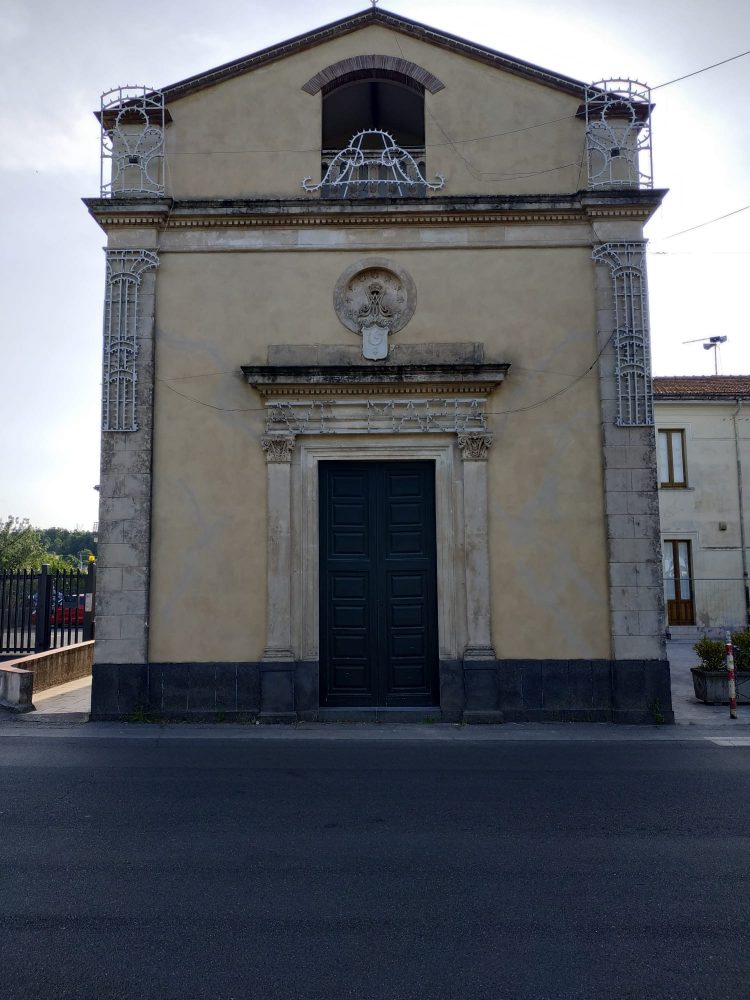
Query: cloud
x=15 y=23
x=50 y=139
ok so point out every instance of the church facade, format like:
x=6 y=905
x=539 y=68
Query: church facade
x=377 y=419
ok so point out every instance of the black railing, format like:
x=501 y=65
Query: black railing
x=40 y=610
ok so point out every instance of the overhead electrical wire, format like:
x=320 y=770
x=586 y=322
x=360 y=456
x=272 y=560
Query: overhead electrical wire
x=497 y=413
x=457 y=142
x=700 y=225
x=697 y=72
x=453 y=143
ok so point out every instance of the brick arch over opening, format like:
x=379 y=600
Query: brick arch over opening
x=356 y=64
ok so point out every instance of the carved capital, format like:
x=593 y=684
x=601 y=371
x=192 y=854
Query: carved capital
x=278 y=449
x=475 y=447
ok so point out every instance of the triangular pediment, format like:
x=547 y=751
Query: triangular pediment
x=356 y=22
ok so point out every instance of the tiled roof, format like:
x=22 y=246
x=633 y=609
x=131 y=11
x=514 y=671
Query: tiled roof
x=701 y=386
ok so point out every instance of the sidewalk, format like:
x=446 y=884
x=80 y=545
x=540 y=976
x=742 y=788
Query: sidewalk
x=687 y=710
x=69 y=705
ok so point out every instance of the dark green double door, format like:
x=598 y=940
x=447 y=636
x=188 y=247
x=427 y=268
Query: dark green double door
x=378 y=584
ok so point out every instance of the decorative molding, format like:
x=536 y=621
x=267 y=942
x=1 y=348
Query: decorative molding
x=278 y=449
x=475 y=447
x=633 y=205
x=120 y=375
x=627 y=262
x=375 y=298
x=370 y=416
x=370 y=380
x=331 y=75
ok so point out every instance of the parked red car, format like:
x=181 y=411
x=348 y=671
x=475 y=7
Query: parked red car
x=69 y=610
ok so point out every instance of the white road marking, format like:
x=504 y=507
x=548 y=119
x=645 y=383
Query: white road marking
x=729 y=741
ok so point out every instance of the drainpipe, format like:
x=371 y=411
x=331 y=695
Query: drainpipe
x=742 y=511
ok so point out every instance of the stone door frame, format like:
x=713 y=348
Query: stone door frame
x=305 y=561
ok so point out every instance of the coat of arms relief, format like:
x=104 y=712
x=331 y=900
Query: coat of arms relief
x=375 y=299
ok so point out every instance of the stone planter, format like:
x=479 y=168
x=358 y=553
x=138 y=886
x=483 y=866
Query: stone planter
x=712 y=688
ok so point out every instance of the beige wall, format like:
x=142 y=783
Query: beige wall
x=711 y=499
x=259 y=135
x=533 y=308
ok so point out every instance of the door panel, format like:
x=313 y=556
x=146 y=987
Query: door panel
x=378 y=599
x=678 y=581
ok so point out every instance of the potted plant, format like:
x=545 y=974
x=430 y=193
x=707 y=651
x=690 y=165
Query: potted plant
x=710 y=681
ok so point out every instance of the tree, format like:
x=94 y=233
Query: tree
x=21 y=546
x=64 y=542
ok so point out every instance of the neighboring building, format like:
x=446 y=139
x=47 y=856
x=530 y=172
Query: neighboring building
x=704 y=477
x=377 y=418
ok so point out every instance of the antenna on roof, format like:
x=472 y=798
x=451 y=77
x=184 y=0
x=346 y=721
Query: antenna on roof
x=712 y=344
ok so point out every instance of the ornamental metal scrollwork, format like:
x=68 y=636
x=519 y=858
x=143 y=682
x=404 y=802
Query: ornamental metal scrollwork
x=627 y=262
x=373 y=166
x=124 y=271
x=618 y=134
x=132 y=121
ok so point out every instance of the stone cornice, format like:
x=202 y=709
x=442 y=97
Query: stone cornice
x=369 y=380
x=582 y=207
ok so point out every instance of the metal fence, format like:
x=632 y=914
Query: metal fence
x=40 y=610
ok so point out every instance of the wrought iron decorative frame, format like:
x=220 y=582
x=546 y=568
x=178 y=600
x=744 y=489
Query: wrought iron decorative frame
x=627 y=262
x=120 y=373
x=618 y=134
x=357 y=172
x=132 y=120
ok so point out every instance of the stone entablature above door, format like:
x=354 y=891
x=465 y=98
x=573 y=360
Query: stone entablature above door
x=363 y=399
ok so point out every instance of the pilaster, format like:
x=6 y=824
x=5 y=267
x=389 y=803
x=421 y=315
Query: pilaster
x=474 y=451
x=125 y=477
x=630 y=486
x=278 y=452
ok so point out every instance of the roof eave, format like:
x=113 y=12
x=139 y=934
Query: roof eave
x=355 y=22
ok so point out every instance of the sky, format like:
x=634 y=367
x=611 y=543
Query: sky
x=57 y=58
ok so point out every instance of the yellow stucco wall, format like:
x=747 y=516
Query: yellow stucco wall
x=531 y=307
x=259 y=135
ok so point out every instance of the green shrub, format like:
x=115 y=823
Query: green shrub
x=712 y=654
x=741 y=642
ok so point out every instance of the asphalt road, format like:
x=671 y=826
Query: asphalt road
x=293 y=869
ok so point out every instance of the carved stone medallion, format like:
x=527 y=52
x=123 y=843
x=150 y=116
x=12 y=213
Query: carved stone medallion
x=374 y=299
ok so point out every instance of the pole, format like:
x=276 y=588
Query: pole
x=89 y=608
x=731 y=678
x=741 y=504
x=43 y=633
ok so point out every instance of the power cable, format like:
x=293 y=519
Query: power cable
x=449 y=141
x=700 y=225
x=697 y=72
x=496 y=413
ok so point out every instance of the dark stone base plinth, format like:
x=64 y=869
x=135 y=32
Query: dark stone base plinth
x=624 y=691
x=477 y=691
